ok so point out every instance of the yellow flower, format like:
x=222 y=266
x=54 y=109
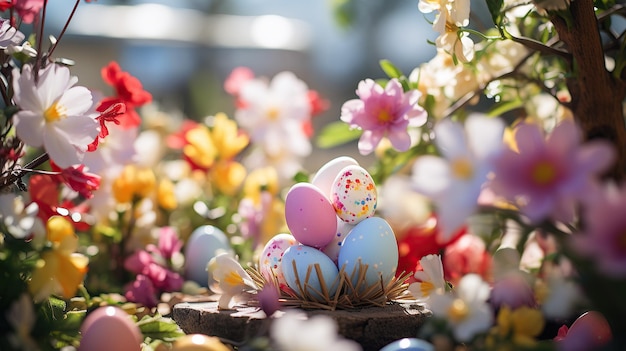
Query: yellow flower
x=228 y=140
x=261 y=179
x=200 y=148
x=133 y=183
x=228 y=176
x=59 y=270
x=522 y=324
x=165 y=195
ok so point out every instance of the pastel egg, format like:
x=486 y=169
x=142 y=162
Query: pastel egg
x=409 y=344
x=372 y=243
x=109 y=328
x=332 y=248
x=310 y=216
x=354 y=194
x=198 y=342
x=304 y=257
x=271 y=257
x=324 y=178
x=204 y=243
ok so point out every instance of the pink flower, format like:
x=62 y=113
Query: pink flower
x=603 y=233
x=28 y=9
x=590 y=331
x=142 y=291
x=383 y=112
x=466 y=255
x=169 y=243
x=236 y=79
x=545 y=177
x=512 y=290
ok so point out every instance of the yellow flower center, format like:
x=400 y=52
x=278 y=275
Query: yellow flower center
x=543 y=173
x=384 y=116
x=458 y=310
x=273 y=113
x=462 y=168
x=233 y=278
x=54 y=113
x=426 y=288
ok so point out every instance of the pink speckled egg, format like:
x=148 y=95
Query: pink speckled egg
x=354 y=194
x=109 y=328
x=271 y=257
x=310 y=216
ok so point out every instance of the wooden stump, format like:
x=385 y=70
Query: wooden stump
x=372 y=327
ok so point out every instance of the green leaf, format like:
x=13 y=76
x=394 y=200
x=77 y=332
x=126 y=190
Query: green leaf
x=505 y=106
x=495 y=9
x=390 y=69
x=301 y=177
x=159 y=327
x=336 y=133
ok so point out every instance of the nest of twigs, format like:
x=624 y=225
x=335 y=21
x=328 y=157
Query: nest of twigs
x=348 y=295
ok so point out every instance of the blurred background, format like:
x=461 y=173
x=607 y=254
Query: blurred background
x=183 y=50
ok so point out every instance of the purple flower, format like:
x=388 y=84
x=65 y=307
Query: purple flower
x=383 y=112
x=546 y=177
x=603 y=233
x=142 y=291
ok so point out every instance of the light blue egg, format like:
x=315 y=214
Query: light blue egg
x=373 y=243
x=204 y=243
x=409 y=344
x=305 y=257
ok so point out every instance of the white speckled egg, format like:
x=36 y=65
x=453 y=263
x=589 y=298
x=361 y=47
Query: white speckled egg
x=310 y=216
x=332 y=249
x=354 y=194
x=271 y=257
x=204 y=243
x=325 y=176
x=109 y=328
x=373 y=243
x=305 y=257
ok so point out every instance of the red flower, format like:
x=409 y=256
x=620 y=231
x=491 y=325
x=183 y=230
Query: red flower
x=129 y=92
x=417 y=242
x=44 y=190
x=111 y=114
x=77 y=179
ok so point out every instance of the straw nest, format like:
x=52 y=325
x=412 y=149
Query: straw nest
x=347 y=296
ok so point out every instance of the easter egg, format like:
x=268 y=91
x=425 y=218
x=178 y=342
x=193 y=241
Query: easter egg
x=409 y=344
x=373 y=243
x=332 y=248
x=324 y=178
x=109 y=328
x=310 y=216
x=198 y=342
x=304 y=257
x=271 y=257
x=204 y=243
x=354 y=194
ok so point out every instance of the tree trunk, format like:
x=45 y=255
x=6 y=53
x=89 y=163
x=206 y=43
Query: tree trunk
x=597 y=97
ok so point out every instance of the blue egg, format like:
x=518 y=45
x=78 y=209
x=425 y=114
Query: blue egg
x=304 y=257
x=409 y=344
x=373 y=243
x=204 y=243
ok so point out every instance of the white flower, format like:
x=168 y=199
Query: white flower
x=466 y=309
x=18 y=219
x=454 y=182
x=231 y=277
x=274 y=113
x=54 y=113
x=430 y=279
x=293 y=331
x=9 y=36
